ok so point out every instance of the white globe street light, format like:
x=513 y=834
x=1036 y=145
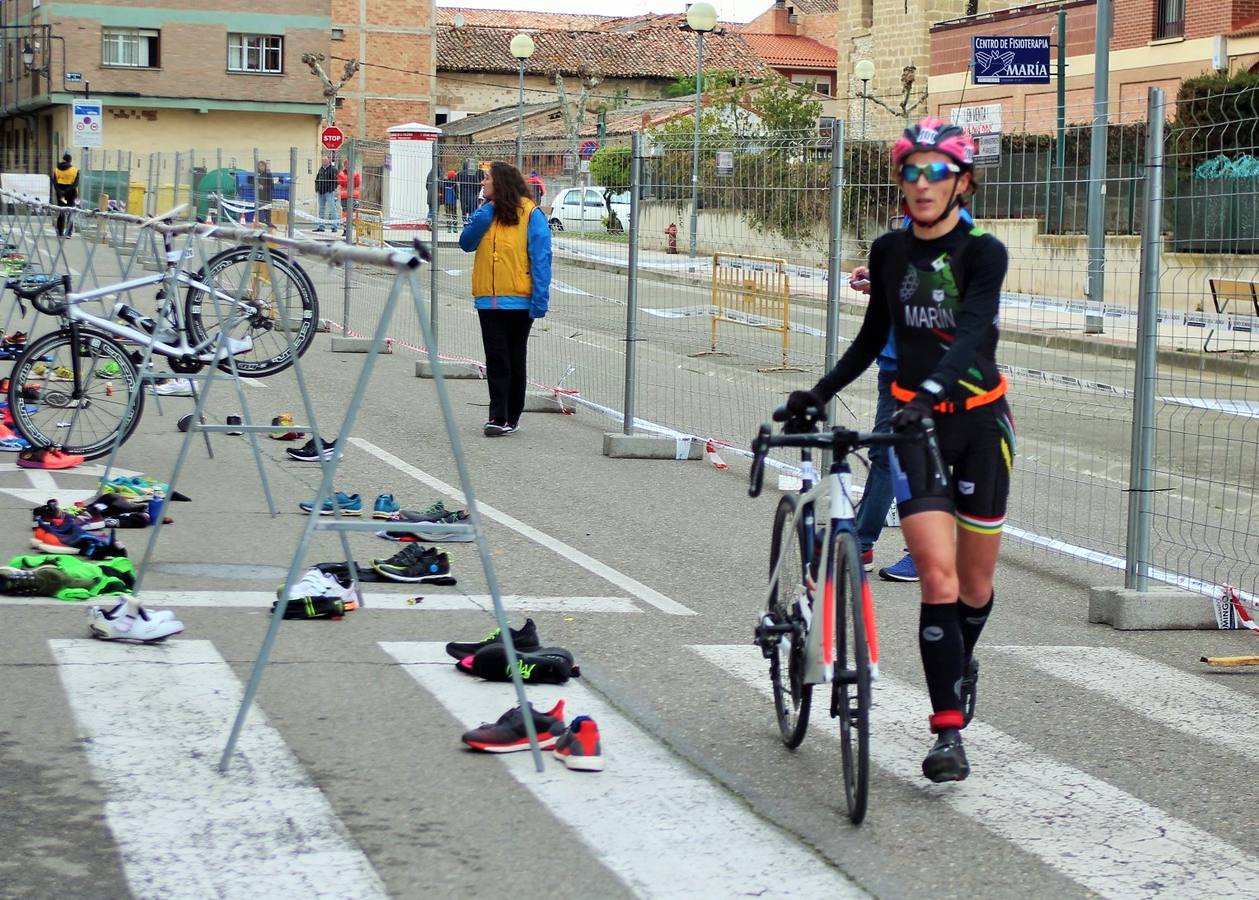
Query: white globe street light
x=701 y=18
x=522 y=48
x=864 y=70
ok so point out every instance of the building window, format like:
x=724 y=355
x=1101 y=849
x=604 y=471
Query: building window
x=867 y=13
x=338 y=34
x=1171 y=19
x=132 y=47
x=255 y=53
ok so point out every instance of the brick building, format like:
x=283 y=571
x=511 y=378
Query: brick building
x=170 y=78
x=798 y=41
x=395 y=43
x=632 y=58
x=1155 y=43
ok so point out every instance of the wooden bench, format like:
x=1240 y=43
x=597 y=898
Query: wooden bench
x=1226 y=290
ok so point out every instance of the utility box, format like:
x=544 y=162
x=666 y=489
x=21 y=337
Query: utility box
x=215 y=181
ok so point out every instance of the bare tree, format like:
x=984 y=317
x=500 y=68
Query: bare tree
x=575 y=115
x=904 y=109
x=330 y=90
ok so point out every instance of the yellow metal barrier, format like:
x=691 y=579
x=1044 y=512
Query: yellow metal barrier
x=755 y=291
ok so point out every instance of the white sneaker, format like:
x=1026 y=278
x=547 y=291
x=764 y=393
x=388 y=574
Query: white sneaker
x=316 y=583
x=123 y=623
x=176 y=387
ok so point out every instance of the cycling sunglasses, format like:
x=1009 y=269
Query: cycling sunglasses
x=935 y=172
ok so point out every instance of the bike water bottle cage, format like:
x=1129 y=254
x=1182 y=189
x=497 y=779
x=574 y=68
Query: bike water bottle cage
x=934 y=172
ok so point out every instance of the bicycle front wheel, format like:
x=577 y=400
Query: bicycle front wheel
x=850 y=694
x=273 y=304
x=788 y=591
x=51 y=408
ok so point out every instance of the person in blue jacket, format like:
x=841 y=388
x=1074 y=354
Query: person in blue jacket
x=511 y=286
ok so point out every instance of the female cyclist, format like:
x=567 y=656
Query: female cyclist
x=937 y=285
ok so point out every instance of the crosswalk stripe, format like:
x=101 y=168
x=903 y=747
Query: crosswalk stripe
x=154 y=720
x=635 y=814
x=617 y=579
x=1172 y=698
x=1105 y=839
x=157 y=599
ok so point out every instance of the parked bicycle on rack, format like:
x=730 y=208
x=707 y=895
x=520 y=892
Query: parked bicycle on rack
x=813 y=637
x=84 y=380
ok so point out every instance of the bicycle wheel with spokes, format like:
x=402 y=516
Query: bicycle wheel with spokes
x=792 y=696
x=272 y=303
x=850 y=693
x=51 y=410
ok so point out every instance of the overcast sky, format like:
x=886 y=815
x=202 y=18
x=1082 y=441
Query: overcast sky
x=727 y=10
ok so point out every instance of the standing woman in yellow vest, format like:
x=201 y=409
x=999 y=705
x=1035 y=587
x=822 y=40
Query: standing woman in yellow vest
x=65 y=183
x=511 y=286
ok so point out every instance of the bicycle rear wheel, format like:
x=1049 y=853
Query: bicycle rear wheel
x=850 y=694
x=278 y=310
x=50 y=410
x=787 y=554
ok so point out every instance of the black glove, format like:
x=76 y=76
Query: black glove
x=912 y=413
x=801 y=403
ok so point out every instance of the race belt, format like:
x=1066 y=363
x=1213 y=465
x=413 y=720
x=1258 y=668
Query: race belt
x=904 y=395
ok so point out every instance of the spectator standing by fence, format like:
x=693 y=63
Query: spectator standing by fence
x=511 y=286
x=326 y=191
x=343 y=187
x=450 y=200
x=537 y=186
x=263 y=183
x=469 y=182
x=65 y=182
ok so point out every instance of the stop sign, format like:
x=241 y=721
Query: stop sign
x=332 y=138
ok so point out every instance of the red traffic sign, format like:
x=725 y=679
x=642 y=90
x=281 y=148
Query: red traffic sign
x=332 y=137
x=588 y=149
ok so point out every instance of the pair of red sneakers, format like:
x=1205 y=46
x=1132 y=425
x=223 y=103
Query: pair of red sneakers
x=47 y=458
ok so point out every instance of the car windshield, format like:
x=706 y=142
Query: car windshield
x=622 y=197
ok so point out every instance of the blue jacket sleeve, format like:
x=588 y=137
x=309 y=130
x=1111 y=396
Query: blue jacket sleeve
x=539 y=239
x=470 y=237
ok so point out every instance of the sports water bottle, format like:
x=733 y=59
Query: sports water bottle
x=134 y=317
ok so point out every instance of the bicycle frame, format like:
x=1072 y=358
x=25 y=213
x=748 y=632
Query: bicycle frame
x=834 y=493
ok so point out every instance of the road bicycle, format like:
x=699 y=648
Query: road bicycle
x=811 y=638
x=77 y=387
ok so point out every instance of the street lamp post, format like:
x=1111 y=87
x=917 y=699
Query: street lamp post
x=522 y=49
x=701 y=18
x=864 y=70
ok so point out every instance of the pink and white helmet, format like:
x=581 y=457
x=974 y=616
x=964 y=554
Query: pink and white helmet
x=935 y=134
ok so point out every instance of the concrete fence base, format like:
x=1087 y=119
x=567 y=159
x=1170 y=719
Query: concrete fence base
x=650 y=446
x=1158 y=609
x=424 y=369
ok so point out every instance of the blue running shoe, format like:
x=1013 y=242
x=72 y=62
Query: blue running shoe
x=347 y=504
x=905 y=570
x=385 y=507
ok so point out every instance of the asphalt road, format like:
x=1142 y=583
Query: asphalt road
x=1105 y=763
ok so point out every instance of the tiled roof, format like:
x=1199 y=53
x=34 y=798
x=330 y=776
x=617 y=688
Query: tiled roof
x=784 y=50
x=519 y=19
x=622 y=120
x=495 y=117
x=815 y=7
x=652 y=51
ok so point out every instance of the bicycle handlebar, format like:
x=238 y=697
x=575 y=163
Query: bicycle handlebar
x=841 y=441
x=35 y=294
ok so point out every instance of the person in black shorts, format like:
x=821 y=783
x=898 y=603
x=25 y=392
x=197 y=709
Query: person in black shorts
x=937 y=285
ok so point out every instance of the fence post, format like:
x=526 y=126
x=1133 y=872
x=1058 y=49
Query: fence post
x=179 y=169
x=434 y=217
x=835 y=250
x=631 y=281
x=348 y=268
x=1097 y=171
x=1141 y=473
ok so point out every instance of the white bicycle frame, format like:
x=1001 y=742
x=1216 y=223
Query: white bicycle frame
x=819 y=651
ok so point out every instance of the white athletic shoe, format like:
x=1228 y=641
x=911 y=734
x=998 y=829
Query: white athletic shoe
x=175 y=387
x=127 y=623
x=315 y=583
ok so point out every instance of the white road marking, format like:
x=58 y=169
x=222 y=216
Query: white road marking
x=644 y=815
x=43 y=485
x=1105 y=839
x=1163 y=694
x=154 y=721
x=158 y=599
x=572 y=554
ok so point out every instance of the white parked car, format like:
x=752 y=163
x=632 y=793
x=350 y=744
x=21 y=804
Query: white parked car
x=582 y=209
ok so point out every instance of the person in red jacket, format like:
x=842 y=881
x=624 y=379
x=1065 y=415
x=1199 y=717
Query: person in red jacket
x=343 y=186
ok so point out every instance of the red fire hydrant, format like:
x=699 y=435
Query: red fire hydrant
x=672 y=233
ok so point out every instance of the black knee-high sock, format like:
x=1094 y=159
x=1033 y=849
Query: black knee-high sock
x=940 y=642
x=973 y=620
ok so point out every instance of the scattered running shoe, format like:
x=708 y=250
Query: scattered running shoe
x=385 y=507
x=47 y=458
x=308 y=453
x=174 y=387
x=347 y=504
x=905 y=570
x=545 y=665
x=508 y=735
x=946 y=760
x=580 y=747
x=524 y=639
x=427 y=565
x=284 y=423
x=42 y=581
x=135 y=624
x=434 y=513
x=439 y=531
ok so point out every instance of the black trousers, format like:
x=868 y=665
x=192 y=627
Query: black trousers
x=65 y=220
x=505 y=335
